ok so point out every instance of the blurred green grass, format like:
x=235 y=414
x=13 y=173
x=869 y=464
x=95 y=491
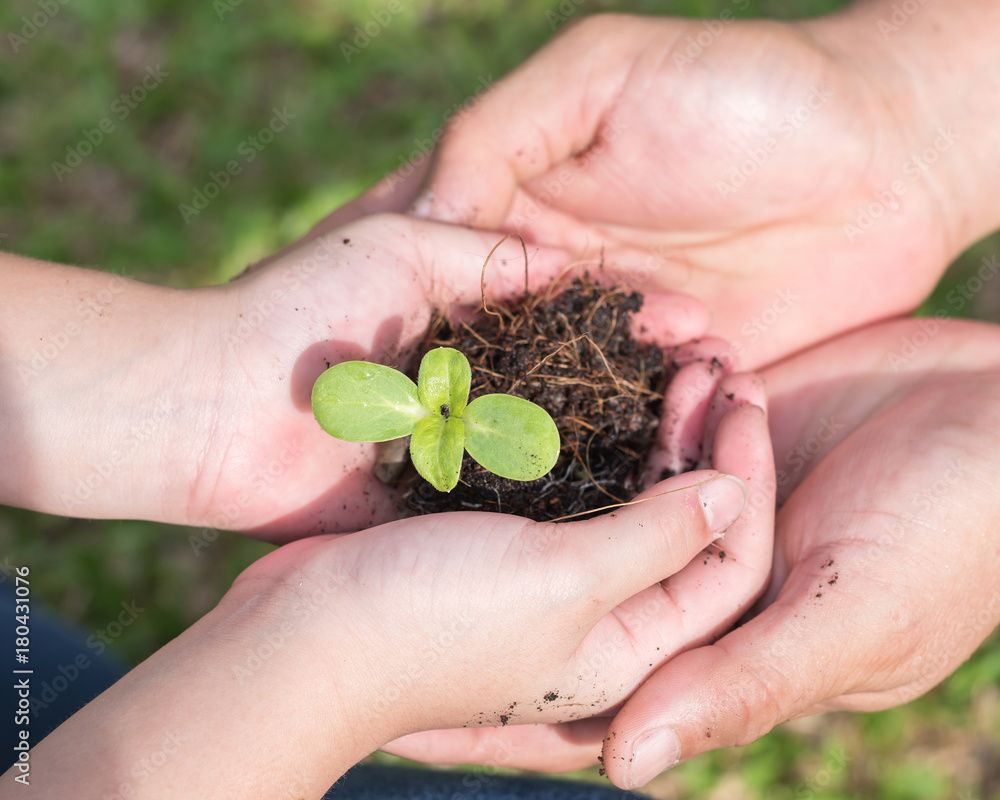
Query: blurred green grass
x=230 y=66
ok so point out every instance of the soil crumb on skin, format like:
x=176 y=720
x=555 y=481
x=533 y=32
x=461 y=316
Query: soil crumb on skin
x=573 y=354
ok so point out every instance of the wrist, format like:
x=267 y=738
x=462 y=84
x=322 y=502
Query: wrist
x=250 y=701
x=936 y=70
x=96 y=406
x=304 y=603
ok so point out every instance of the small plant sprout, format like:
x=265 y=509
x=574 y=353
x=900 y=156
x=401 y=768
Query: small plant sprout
x=362 y=402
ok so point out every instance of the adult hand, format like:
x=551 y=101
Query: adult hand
x=885 y=551
x=768 y=169
x=692 y=607
x=363 y=638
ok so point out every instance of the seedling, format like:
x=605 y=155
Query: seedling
x=358 y=401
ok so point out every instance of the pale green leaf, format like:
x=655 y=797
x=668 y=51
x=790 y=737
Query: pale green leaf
x=362 y=402
x=436 y=449
x=511 y=436
x=444 y=381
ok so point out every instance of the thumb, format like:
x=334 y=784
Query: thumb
x=727 y=694
x=531 y=121
x=651 y=537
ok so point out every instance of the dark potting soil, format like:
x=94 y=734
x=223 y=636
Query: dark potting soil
x=574 y=355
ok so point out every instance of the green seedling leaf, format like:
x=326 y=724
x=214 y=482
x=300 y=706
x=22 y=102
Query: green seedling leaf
x=361 y=402
x=444 y=381
x=436 y=449
x=511 y=436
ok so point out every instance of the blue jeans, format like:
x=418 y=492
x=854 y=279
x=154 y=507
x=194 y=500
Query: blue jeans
x=402 y=783
x=66 y=673
x=71 y=669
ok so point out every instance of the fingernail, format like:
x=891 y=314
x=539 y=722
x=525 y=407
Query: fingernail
x=722 y=500
x=652 y=753
x=421 y=206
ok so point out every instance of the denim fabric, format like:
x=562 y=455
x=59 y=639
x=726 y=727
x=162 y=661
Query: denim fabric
x=404 y=783
x=66 y=673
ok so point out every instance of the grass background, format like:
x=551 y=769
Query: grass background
x=229 y=66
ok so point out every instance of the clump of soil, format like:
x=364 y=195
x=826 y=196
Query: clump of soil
x=574 y=355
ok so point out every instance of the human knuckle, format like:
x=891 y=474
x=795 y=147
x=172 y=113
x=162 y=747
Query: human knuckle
x=752 y=706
